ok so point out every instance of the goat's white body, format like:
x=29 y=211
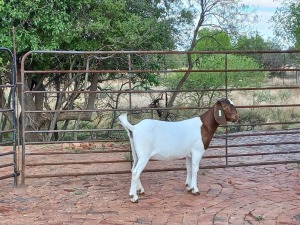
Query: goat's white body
x=160 y=140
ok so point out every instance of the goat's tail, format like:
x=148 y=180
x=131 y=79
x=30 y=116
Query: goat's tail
x=123 y=120
x=129 y=128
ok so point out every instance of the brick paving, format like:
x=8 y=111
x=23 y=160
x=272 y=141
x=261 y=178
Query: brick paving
x=264 y=195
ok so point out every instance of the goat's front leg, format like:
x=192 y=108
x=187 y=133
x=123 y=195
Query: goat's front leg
x=135 y=179
x=188 y=162
x=196 y=158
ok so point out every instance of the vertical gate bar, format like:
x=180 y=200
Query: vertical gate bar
x=19 y=144
x=15 y=105
x=12 y=106
x=130 y=100
x=284 y=66
x=13 y=70
x=226 y=94
x=13 y=89
x=23 y=117
x=129 y=77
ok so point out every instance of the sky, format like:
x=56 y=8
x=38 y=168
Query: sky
x=264 y=10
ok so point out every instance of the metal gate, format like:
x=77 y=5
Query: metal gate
x=275 y=142
x=8 y=127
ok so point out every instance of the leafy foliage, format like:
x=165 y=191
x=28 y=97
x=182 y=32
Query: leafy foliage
x=110 y=25
x=255 y=42
x=87 y=25
x=213 y=40
x=90 y=25
x=205 y=80
x=287 y=22
x=215 y=67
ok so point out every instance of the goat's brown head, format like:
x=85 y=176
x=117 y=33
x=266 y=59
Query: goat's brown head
x=224 y=110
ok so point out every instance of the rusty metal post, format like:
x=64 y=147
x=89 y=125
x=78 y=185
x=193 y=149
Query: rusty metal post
x=12 y=109
x=14 y=104
x=130 y=97
x=23 y=108
x=226 y=94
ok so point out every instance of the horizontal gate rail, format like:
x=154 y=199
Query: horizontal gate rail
x=171 y=91
x=211 y=146
x=158 y=170
x=6 y=165
x=159 y=108
x=13 y=175
x=7 y=153
x=263 y=133
x=7 y=143
x=126 y=161
x=152 y=71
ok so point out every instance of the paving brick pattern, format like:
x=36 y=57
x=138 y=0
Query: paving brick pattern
x=266 y=195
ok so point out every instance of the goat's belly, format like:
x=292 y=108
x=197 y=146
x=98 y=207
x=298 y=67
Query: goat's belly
x=170 y=154
x=172 y=148
x=166 y=157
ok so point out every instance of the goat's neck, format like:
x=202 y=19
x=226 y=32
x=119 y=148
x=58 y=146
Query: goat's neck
x=209 y=126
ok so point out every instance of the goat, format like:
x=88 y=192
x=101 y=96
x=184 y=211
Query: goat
x=161 y=140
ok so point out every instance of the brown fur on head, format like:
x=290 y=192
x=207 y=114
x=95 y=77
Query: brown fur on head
x=224 y=111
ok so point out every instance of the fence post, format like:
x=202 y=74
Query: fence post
x=226 y=94
x=130 y=98
x=11 y=108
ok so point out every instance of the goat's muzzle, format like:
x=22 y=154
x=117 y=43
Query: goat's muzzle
x=235 y=118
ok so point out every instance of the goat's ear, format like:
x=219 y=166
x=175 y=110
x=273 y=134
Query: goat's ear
x=219 y=114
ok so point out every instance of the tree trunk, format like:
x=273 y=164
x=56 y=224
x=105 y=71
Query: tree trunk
x=190 y=65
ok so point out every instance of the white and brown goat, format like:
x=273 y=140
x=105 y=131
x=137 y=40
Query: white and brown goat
x=161 y=140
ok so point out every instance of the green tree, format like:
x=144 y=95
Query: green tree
x=213 y=40
x=228 y=16
x=254 y=42
x=215 y=80
x=86 y=25
x=216 y=40
x=103 y=25
x=82 y=25
x=287 y=22
x=257 y=43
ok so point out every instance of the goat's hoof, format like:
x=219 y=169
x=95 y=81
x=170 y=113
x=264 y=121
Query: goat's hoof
x=189 y=189
x=140 y=192
x=196 y=193
x=134 y=198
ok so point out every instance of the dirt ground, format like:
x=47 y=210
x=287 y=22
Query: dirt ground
x=267 y=195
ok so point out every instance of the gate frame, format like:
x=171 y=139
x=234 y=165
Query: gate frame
x=14 y=141
x=129 y=71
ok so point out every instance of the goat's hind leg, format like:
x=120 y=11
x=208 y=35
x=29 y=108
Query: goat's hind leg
x=135 y=179
x=140 y=190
